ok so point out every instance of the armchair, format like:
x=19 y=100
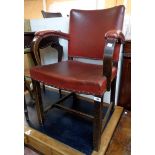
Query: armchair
x=93 y=34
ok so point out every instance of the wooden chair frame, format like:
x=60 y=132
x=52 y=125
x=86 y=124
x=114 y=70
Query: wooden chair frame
x=50 y=41
x=98 y=123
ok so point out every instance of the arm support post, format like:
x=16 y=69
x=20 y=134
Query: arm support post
x=39 y=36
x=112 y=37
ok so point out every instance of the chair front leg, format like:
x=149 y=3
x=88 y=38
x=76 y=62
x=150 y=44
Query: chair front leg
x=112 y=95
x=97 y=124
x=38 y=101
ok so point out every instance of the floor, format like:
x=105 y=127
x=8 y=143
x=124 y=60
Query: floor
x=121 y=140
x=28 y=151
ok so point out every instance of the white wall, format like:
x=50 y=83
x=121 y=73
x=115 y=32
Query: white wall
x=65 y=6
x=100 y=4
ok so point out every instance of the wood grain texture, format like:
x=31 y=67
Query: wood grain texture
x=124 y=99
x=109 y=130
x=121 y=140
x=47 y=145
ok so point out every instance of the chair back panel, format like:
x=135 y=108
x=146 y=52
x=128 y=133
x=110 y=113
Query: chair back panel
x=88 y=28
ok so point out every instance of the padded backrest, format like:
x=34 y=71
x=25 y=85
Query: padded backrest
x=88 y=28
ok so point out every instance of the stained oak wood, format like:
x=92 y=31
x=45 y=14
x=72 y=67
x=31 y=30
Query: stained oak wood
x=124 y=99
x=121 y=140
x=109 y=130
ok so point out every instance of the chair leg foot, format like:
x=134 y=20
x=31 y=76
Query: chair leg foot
x=97 y=125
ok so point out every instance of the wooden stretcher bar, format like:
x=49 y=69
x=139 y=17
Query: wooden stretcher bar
x=49 y=146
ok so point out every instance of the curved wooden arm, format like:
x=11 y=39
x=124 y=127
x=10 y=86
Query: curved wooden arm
x=48 y=33
x=112 y=37
x=115 y=34
x=41 y=35
x=35 y=49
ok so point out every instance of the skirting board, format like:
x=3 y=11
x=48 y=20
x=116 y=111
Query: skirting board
x=50 y=146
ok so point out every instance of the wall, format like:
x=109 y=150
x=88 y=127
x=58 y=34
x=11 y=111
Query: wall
x=64 y=6
x=111 y=3
x=32 y=9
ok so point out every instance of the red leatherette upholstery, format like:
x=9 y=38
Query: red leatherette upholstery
x=88 y=28
x=73 y=75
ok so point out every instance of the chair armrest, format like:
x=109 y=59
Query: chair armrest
x=48 y=33
x=39 y=36
x=112 y=37
x=115 y=34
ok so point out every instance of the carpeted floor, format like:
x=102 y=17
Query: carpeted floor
x=73 y=131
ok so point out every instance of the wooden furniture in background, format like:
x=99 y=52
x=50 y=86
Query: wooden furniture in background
x=50 y=14
x=124 y=99
x=49 y=41
x=28 y=37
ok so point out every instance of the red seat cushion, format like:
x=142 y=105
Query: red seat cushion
x=74 y=76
